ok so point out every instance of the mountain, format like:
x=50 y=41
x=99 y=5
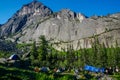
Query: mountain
x=63 y=27
x=0 y=25
x=27 y=15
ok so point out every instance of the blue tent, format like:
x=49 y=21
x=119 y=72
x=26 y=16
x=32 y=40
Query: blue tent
x=93 y=69
x=14 y=57
x=102 y=70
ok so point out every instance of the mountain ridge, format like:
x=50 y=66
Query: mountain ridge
x=35 y=19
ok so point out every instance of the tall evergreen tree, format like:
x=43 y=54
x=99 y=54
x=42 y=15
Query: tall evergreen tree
x=103 y=56
x=70 y=55
x=95 y=52
x=117 y=55
x=43 y=50
x=34 y=53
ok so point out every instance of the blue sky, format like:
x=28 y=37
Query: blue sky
x=87 y=7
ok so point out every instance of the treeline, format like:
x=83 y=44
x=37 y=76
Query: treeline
x=100 y=56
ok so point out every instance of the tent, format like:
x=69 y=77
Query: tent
x=14 y=57
x=44 y=69
x=93 y=69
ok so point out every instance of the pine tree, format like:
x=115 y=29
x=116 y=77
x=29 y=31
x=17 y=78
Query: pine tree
x=43 y=46
x=104 y=56
x=83 y=57
x=95 y=53
x=117 y=55
x=43 y=50
x=34 y=53
x=111 y=56
x=70 y=56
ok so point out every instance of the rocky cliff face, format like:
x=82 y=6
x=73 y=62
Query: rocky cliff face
x=27 y=15
x=35 y=19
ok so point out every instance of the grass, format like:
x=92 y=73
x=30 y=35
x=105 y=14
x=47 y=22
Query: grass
x=12 y=73
x=15 y=74
x=116 y=76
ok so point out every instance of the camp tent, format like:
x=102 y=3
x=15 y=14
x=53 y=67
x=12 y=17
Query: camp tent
x=93 y=69
x=45 y=69
x=14 y=57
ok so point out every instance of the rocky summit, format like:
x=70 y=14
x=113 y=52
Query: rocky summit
x=26 y=16
x=63 y=27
